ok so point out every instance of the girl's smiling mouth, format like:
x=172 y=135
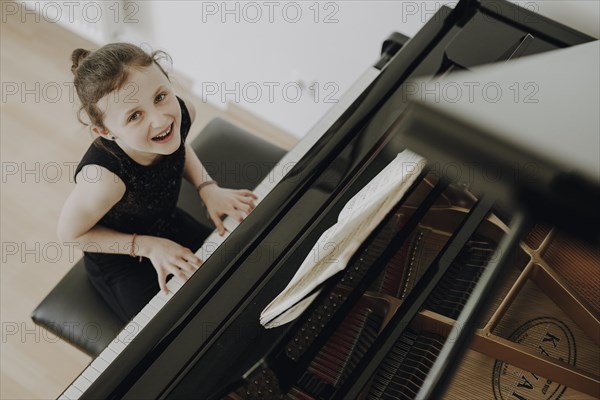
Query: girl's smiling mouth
x=164 y=136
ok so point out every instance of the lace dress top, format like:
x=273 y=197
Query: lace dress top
x=149 y=203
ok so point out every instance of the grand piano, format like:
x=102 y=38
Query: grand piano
x=476 y=289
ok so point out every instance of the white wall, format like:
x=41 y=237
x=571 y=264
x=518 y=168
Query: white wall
x=328 y=47
x=265 y=44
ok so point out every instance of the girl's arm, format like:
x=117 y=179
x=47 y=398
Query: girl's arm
x=218 y=201
x=90 y=201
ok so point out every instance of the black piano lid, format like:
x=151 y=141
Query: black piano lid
x=198 y=315
x=535 y=140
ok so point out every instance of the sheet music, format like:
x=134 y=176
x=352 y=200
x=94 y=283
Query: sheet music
x=332 y=252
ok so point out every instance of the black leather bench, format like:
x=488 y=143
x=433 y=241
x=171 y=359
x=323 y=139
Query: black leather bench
x=76 y=313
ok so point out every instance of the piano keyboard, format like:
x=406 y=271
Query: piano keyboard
x=214 y=240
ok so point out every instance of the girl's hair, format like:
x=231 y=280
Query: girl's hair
x=98 y=73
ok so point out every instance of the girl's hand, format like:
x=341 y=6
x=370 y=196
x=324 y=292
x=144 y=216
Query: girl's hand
x=219 y=201
x=168 y=258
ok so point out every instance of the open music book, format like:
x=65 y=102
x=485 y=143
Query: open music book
x=332 y=252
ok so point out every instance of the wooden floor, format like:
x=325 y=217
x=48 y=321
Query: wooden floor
x=41 y=141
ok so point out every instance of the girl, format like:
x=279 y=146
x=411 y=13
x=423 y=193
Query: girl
x=122 y=211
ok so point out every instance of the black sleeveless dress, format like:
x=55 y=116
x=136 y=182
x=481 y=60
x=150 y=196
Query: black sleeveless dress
x=148 y=207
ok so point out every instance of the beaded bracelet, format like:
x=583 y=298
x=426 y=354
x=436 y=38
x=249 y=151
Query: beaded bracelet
x=204 y=184
x=132 y=251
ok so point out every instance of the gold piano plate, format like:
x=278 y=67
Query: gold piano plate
x=540 y=334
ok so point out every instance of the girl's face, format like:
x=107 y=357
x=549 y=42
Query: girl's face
x=144 y=116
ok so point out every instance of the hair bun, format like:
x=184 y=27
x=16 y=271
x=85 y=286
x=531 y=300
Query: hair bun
x=77 y=57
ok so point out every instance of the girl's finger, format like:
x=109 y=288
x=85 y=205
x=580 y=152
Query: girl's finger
x=186 y=266
x=218 y=224
x=178 y=273
x=246 y=208
x=238 y=215
x=248 y=193
x=194 y=260
x=246 y=200
x=162 y=281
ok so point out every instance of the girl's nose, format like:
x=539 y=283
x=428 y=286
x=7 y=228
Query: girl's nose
x=158 y=120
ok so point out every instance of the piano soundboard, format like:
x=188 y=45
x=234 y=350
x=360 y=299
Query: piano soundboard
x=383 y=328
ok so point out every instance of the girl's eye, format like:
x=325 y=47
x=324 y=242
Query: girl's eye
x=160 y=97
x=134 y=116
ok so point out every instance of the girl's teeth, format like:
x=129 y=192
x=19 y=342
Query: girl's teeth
x=164 y=134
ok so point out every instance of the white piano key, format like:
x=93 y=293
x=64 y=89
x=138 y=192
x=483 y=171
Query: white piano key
x=221 y=238
x=99 y=364
x=108 y=355
x=63 y=397
x=150 y=310
x=141 y=319
x=230 y=224
x=82 y=383
x=162 y=296
x=91 y=374
x=174 y=285
x=158 y=301
x=123 y=340
x=72 y=392
x=153 y=306
x=117 y=345
x=210 y=244
x=213 y=237
x=203 y=253
x=128 y=333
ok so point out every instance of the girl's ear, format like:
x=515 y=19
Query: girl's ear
x=105 y=133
